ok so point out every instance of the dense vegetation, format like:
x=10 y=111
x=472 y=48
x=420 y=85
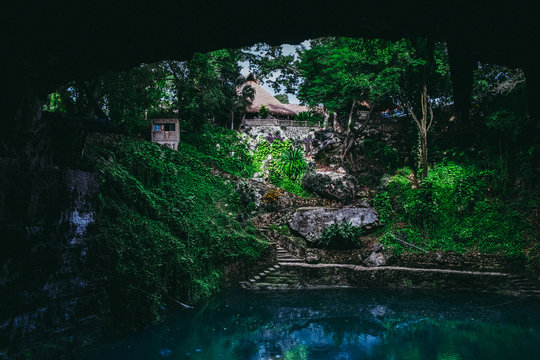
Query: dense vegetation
x=456 y=208
x=167 y=222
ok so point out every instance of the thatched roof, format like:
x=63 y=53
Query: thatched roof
x=263 y=97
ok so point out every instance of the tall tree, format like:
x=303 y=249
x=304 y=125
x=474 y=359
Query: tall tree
x=206 y=87
x=344 y=73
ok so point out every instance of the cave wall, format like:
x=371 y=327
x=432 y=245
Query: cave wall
x=46 y=284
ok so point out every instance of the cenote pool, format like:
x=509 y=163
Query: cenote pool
x=341 y=324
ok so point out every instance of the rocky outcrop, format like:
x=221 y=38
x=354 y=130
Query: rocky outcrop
x=326 y=147
x=298 y=134
x=310 y=223
x=335 y=186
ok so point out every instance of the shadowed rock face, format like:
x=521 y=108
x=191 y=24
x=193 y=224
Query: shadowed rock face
x=341 y=187
x=311 y=222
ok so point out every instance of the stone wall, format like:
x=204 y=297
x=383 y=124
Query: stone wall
x=319 y=275
x=285 y=132
x=471 y=261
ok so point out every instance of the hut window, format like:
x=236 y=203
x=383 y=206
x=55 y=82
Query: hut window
x=164 y=127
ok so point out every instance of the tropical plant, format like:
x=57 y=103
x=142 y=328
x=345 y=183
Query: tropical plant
x=336 y=236
x=292 y=162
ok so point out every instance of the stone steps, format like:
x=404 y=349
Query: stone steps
x=273 y=277
x=524 y=285
x=286 y=274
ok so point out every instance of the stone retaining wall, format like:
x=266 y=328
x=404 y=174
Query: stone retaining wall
x=471 y=261
x=324 y=275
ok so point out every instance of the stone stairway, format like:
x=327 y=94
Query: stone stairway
x=275 y=277
x=285 y=257
x=289 y=272
x=524 y=285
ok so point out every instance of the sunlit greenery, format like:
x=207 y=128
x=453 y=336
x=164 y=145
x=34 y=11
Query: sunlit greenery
x=284 y=164
x=455 y=208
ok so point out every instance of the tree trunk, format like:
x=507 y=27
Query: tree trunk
x=326 y=117
x=351 y=114
x=349 y=141
x=423 y=138
x=232 y=119
x=423 y=125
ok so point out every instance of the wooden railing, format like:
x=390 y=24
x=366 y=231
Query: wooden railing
x=274 y=122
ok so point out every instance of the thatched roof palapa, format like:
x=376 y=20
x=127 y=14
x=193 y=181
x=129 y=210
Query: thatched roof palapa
x=263 y=97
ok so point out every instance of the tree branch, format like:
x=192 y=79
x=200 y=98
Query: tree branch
x=431 y=117
x=408 y=106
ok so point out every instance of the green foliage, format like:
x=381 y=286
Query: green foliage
x=293 y=163
x=337 y=71
x=224 y=149
x=383 y=153
x=55 y=103
x=122 y=97
x=166 y=226
x=533 y=258
x=312 y=118
x=299 y=352
x=344 y=236
x=205 y=87
x=284 y=164
x=263 y=112
x=452 y=209
x=282 y=98
x=201 y=89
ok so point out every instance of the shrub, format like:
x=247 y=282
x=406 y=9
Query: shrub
x=293 y=163
x=344 y=236
x=452 y=209
x=279 y=160
x=264 y=112
x=221 y=148
x=312 y=118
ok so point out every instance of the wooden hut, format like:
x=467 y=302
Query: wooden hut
x=166 y=132
x=276 y=109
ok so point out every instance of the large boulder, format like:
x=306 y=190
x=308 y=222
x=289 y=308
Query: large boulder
x=334 y=186
x=262 y=197
x=310 y=223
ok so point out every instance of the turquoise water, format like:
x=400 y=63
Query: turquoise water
x=341 y=324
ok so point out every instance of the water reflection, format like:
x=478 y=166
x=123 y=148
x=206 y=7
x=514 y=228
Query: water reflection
x=342 y=324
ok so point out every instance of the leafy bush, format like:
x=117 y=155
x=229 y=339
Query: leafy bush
x=387 y=155
x=312 y=118
x=221 y=148
x=293 y=163
x=264 y=112
x=344 y=236
x=452 y=209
